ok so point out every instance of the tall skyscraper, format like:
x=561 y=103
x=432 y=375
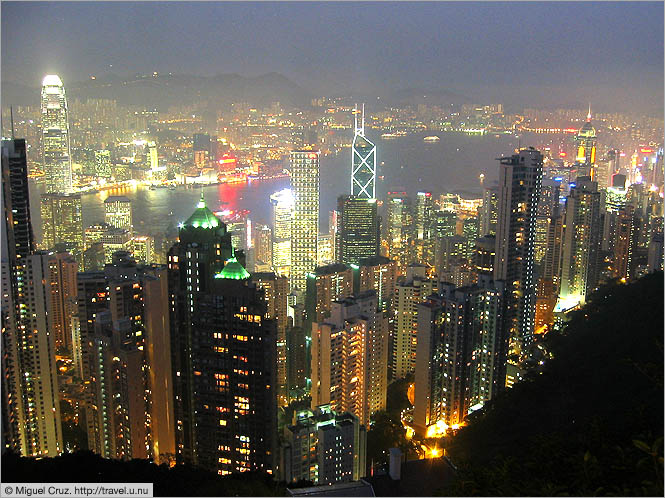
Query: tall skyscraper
x=62 y=223
x=519 y=182
x=31 y=407
x=586 y=146
x=488 y=212
x=358 y=231
x=399 y=229
x=118 y=212
x=380 y=274
x=410 y=292
x=580 y=267
x=55 y=136
x=458 y=353
x=425 y=233
x=349 y=358
x=282 y=203
x=305 y=227
x=363 y=164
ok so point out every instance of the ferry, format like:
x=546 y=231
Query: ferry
x=431 y=139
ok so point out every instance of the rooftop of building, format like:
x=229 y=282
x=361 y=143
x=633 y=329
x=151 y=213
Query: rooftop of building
x=116 y=198
x=375 y=261
x=356 y=488
x=233 y=270
x=202 y=217
x=330 y=269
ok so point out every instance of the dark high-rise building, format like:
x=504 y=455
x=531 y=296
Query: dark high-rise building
x=488 y=212
x=519 y=182
x=224 y=353
x=358 y=232
x=30 y=405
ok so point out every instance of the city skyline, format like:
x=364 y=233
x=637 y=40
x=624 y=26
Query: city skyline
x=229 y=284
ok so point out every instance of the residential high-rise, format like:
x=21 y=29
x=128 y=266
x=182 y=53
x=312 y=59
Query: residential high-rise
x=31 y=407
x=489 y=212
x=458 y=354
x=409 y=292
x=56 y=153
x=282 y=203
x=130 y=390
x=305 y=227
x=263 y=246
x=358 y=231
x=204 y=245
x=625 y=243
x=324 y=447
x=425 y=228
x=325 y=285
x=62 y=223
x=363 y=164
x=118 y=212
x=580 y=266
x=276 y=291
x=519 y=182
x=378 y=274
x=349 y=357
x=63 y=270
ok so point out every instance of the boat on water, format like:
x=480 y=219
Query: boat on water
x=431 y=139
x=397 y=134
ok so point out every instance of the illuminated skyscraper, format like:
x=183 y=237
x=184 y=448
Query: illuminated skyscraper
x=408 y=294
x=399 y=229
x=103 y=163
x=31 y=407
x=488 y=212
x=520 y=179
x=118 y=212
x=425 y=221
x=581 y=241
x=586 y=146
x=363 y=169
x=62 y=223
x=282 y=223
x=378 y=274
x=305 y=228
x=358 y=231
x=55 y=136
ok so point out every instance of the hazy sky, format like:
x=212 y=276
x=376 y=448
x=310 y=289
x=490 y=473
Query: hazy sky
x=568 y=52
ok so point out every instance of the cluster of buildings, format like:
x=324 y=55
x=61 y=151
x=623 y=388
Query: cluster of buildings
x=195 y=359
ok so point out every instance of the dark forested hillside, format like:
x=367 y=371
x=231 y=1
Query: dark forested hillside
x=592 y=422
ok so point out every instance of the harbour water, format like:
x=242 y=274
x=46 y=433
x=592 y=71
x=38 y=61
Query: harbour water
x=404 y=164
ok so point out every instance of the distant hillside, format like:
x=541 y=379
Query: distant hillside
x=592 y=423
x=164 y=91
x=415 y=96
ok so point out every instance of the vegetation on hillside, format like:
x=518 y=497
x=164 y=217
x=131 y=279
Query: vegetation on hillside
x=591 y=422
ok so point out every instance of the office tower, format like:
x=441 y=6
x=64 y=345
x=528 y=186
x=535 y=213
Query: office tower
x=143 y=249
x=363 y=164
x=470 y=234
x=325 y=249
x=62 y=223
x=116 y=239
x=410 y=292
x=458 y=354
x=62 y=269
x=358 y=231
x=103 y=163
x=489 y=211
x=519 y=182
x=446 y=224
x=484 y=255
x=580 y=265
x=130 y=394
x=378 y=274
x=276 y=290
x=399 y=229
x=325 y=285
x=263 y=246
x=586 y=145
x=349 y=358
x=55 y=136
x=324 y=447
x=31 y=408
x=625 y=244
x=298 y=362
x=424 y=228
x=282 y=203
x=305 y=226
x=118 y=212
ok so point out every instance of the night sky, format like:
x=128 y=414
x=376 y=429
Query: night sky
x=529 y=53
